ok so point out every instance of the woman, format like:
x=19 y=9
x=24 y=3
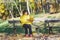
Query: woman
x=26 y=21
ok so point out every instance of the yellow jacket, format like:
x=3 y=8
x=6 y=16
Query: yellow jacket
x=26 y=19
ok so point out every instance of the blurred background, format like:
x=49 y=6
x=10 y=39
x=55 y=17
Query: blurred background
x=34 y=6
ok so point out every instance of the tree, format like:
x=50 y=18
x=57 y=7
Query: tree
x=2 y=8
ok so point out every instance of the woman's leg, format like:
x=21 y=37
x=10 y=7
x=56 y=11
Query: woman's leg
x=30 y=30
x=26 y=29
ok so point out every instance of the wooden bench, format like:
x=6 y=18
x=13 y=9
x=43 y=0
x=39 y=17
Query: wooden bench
x=14 y=24
x=47 y=23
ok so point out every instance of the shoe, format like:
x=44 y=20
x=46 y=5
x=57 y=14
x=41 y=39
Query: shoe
x=26 y=35
x=31 y=35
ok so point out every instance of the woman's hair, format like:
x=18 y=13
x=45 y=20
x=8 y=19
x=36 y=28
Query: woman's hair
x=25 y=11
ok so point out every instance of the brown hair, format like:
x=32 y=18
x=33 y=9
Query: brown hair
x=25 y=11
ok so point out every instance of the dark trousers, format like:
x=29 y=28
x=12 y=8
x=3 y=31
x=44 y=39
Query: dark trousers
x=50 y=30
x=27 y=28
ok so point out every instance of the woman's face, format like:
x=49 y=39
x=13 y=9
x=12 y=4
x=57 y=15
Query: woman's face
x=25 y=13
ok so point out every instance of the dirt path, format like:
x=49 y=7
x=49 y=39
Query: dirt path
x=21 y=37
